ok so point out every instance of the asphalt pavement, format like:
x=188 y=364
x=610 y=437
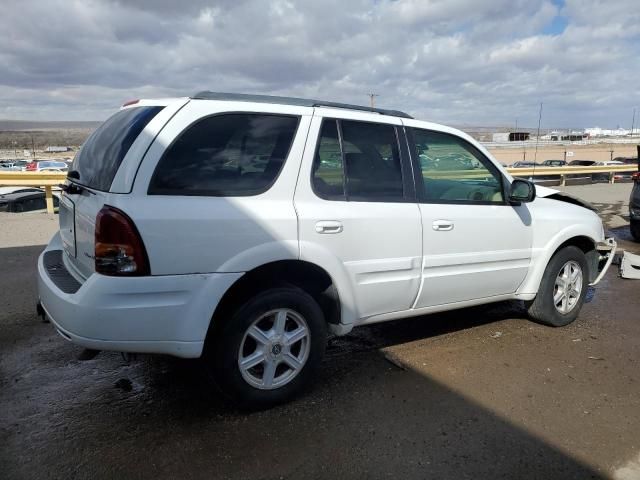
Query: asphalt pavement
x=477 y=393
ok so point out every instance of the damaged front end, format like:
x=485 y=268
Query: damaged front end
x=567 y=198
x=600 y=259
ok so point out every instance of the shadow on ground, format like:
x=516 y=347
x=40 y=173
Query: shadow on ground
x=158 y=417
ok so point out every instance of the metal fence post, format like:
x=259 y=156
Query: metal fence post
x=48 y=193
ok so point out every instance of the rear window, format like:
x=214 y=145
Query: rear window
x=236 y=154
x=101 y=155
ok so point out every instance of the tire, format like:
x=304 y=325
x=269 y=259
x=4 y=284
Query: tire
x=634 y=226
x=543 y=308
x=260 y=331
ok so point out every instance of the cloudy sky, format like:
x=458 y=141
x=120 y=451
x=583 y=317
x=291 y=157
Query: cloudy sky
x=462 y=62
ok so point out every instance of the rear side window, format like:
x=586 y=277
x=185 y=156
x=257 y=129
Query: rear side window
x=101 y=155
x=364 y=166
x=236 y=154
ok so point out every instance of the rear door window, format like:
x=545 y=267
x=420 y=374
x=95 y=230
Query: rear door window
x=364 y=166
x=101 y=155
x=237 y=154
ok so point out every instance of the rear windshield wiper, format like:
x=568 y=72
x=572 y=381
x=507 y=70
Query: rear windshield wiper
x=74 y=188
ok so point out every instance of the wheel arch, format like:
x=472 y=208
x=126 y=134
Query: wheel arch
x=539 y=262
x=311 y=278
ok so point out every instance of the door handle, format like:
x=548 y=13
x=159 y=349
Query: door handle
x=442 y=225
x=328 y=226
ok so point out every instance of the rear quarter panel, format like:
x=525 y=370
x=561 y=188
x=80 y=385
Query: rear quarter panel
x=197 y=234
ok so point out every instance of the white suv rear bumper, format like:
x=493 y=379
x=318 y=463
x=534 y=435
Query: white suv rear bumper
x=167 y=314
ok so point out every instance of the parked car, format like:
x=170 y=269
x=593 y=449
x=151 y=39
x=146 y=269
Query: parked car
x=524 y=165
x=634 y=207
x=618 y=176
x=581 y=163
x=19 y=165
x=554 y=163
x=25 y=201
x=174 y=240
x=7 y=190
x=627 y=160
x=580 y=178
x=47 y=165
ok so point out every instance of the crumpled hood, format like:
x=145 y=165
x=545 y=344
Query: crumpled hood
x=546 y=192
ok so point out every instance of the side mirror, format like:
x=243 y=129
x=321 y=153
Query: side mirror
x=521 y=191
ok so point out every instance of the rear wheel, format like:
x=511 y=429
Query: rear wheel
x=562 y=289
x=270 y=348
x=634 y=226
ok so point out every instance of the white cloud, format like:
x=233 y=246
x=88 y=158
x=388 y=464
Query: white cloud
x=452 y=61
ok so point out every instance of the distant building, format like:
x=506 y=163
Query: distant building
x=602 y=132
x=571 y=136
x=510 y=137
x=57 y=149
x=519 y=136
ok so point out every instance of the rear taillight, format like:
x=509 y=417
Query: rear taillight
x=119 y=249
x=636 y=176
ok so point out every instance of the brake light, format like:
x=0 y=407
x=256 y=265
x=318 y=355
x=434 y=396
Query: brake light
x=119 y=250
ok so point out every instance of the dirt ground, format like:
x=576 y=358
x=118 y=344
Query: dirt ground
x=599 y=152
x=480 y=393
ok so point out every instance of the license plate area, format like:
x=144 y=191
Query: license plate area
x=67 y=217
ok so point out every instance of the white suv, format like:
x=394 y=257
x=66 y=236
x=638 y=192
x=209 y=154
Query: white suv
x=245 y=228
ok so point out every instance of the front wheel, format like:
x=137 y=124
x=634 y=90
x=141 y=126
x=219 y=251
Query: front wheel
x=269 y=350
x=562 y=289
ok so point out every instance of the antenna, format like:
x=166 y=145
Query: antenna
x=535 y=155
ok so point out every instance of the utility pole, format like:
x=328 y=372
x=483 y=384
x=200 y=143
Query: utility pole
x=611 y=155
x=535 y=156
x=633 y=122
x=372 y=97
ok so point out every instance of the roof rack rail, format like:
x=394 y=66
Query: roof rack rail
x=301 y=102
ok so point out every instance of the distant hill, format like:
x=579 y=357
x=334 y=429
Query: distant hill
x=17 y=134
x=22 y=125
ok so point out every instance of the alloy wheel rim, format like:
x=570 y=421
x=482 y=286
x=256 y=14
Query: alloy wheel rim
x=274 y=349
x=567 y=287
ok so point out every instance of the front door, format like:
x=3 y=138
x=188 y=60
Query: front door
x=476 y=244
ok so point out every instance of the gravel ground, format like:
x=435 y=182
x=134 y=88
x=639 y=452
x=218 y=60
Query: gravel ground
x=476 y=393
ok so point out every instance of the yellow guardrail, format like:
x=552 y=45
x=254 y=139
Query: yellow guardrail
x=45 y=180
x=560 y=172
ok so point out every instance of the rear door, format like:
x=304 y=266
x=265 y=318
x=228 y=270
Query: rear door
x=356 y=208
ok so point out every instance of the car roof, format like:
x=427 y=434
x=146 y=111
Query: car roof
x=12 y=197
x=300 y=102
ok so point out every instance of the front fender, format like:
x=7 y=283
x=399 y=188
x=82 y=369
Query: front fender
x=541 y=256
